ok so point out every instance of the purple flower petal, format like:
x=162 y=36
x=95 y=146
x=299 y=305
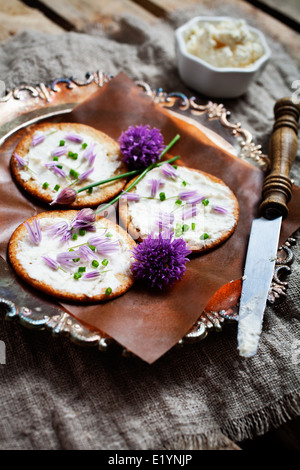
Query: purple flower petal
x=161 y=260
x=219 y=209
x=169 y=171
x=51 y=262
x=59 y=230
x=53 y=166
x=20 y=160
x=66 y=259
x=84 y=219
x=37 y=139
x=34 y=231
x=187 y=195
x=89 y=155
x=188 y=213
x=164 y=220
x=155 y=186
x=141 y=146
x=65 y=196
x=131 y=196
x=59 y=151
x=196 y=199
x=85 y=174
x=74 y=137
x=92 y=275
x=104 y=245
x=84 y=252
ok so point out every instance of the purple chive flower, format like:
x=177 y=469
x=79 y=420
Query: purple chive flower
x=187 y=195
x=155 y=186
x=51 y=262
x=53 y=166
x=89 y=154
x=34 y=231
x=188 y=213
x=74 y=137
x=169 y=171
x=20 y=160
x=59 y=151
x=160 y=261
x=37 y=139
x=219 y=209
x=85 y=174
x=131 y=196
x=59 y=230
x=104 y=245
x=66 y=259
x=65 y=197
x=141 y=146
x=92 y=275
x=84 y=219
x=164 y=220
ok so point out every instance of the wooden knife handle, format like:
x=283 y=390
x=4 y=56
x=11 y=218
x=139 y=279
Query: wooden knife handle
x=277 y=188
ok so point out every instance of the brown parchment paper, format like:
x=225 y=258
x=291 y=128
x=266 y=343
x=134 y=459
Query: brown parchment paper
x=147 y=322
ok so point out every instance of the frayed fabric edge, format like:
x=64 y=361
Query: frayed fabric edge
x=212 y=440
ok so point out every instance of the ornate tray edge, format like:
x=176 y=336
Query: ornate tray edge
x=62 y=322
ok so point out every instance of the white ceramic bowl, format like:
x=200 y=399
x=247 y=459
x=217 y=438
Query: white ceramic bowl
x=216 y=82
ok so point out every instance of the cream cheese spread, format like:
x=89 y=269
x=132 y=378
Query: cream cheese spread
x=73 y=160
x=110 y=266
x=228 y=43
x=193 y=205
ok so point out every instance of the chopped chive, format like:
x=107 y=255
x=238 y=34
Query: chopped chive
x=59 y=166
x=175 y=166
x=74 y=156
x=205 y=202
x=92 y=247
x=185 y=228
x=71 y=249
x=77 y=275
x=55 y=159
x=90 y=190
x=62 y=143
x=184 y=183
x=81 y=269
x=45 y=185
x=204 y=236
x=162 y=196
x=108 y=234
x=178 y=202
x=81 y=232
x=193 y=225
x=74 y=173
x=108 y=291
x=75 y=236
x=70 y=154
x=95 y=263
x=84 y=145
x=76 y=260
x=56 y=187
x=105 y=262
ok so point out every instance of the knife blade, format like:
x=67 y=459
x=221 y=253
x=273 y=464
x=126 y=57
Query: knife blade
x=265 y=230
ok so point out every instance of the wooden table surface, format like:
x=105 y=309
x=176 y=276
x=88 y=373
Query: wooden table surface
x=59 y=16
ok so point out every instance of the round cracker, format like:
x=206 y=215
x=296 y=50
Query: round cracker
x=126 y=281
x=100 y=195
x=209 y=244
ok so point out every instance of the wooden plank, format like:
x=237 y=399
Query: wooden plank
x=289 y=10
x=16 y=17
x=266 y=23
x=81 y=13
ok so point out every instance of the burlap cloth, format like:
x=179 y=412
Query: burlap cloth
x=55 y=395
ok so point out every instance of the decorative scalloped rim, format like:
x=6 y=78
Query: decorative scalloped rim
x=62 y=322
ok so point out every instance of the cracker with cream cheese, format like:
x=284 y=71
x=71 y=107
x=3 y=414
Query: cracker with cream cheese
x=195 y=205
x=51 y=157
x=53 y=254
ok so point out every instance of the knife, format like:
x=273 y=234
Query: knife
x=265 y=230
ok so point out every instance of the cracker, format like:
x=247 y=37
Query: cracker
x=26 y=259
x=32 y=183
x=204 y=231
